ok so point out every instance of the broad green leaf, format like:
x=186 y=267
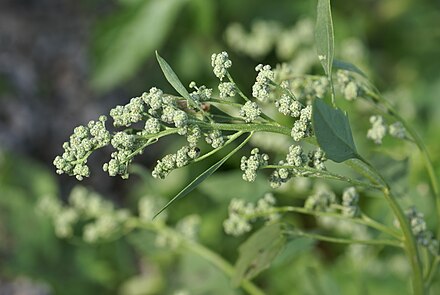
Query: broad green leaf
x=343 y=65
x=324 y=37
x=257 y=253
x=124 y=47
x=197 y=181
x=172 y=78
x=333 y=132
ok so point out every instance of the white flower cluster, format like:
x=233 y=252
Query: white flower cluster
x=201 y=93
x=82 y=143
x=250 y=111
x=250 y=165
x=261 y=88
x=419 y=229
x=350 y=89
x=215 y=138
x=379 y=129
x=295 y=157
x=171 y=162
x=350 y=199
x=302 y=127
x=227 y=89
x=220 y=63
x=242 y=214
x=289 y=106
x=103 y=220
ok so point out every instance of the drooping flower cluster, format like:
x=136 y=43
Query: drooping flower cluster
x=261 y=88
x=419 y=229
x=171 y=162
x=250 y=165
x=83 y=141
x=103 y=220
x=215 y=138
x=242 y=214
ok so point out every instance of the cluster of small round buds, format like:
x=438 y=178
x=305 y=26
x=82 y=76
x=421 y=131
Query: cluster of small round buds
x=123 y=141
x=193 y=135
x=280 y=176
x=201 y=93
x=250 y=165
x=296 y=156
x=350 y=199
x=378 y=129
x=215 y=138
x=227 y=89
x=152 y=126
x=82 y=142
x=261 y=87
x=185 y=154
x=320 y=201
x=317 y=159
x=397 y=130
x=189 y=226
x=351 y=91
x=180 y=119
x=303 y=126
x=237 y=224
x=154 y=99
x=117 y=165
x=419 y=228
x=128 y=114
x=164 y=166
x=168 y=114
x=288 y=106
x=220 y=63
x=250 y=111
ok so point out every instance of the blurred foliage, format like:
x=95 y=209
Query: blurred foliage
x=401 y=38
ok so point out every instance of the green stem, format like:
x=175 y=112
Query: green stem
x=202 y=251
x=247 y=127
x=323 y=174
x=305 y=211
x=231 y=139
x=409 y=242
x=379 y=226
x=346 y=241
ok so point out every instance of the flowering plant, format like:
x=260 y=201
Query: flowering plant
x=303 y=110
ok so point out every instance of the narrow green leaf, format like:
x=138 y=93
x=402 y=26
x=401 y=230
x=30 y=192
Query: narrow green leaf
x=199 y=179
x=172 y=78
x=343 y=65
x=258 y=251
x=324 y=37
x=333 y=132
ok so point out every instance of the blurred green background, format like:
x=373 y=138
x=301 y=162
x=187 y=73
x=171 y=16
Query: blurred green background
x=62 y=63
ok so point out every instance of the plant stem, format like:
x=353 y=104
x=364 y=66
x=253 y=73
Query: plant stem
x=346 y=241
x=202 y=251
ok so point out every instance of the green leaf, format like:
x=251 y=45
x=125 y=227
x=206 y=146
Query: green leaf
x=343 y=65
x=172 y=78
x=257 y=253
x=126 y=42
x=199 y=179
x=324 y=37
x=333 y=132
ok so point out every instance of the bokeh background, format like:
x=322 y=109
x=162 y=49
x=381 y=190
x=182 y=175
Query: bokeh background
x=65 y=62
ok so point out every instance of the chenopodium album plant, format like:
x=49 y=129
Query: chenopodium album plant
x=318 y=132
